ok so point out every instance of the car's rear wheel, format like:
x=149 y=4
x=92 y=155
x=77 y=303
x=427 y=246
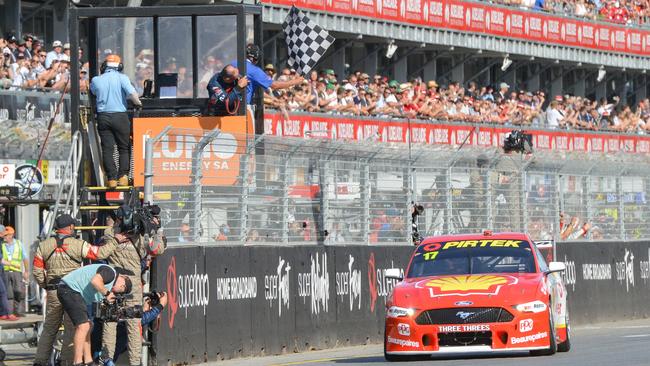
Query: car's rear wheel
x=552 y=348
x=566 y=345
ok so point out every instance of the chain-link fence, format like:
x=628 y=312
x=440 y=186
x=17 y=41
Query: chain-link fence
x=264 y=189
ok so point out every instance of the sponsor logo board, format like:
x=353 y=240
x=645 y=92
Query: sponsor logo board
x=528 y=338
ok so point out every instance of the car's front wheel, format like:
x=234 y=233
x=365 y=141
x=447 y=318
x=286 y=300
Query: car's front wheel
x=395 y=358
x=566 y=345
x=552 y=348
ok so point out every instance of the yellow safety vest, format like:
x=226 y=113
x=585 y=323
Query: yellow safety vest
x=17 y=257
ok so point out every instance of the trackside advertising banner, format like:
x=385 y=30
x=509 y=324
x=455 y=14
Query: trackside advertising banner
x=348 y=128
x=490 y=19
x=173 y=154
x=227 y=302
x=606 y=281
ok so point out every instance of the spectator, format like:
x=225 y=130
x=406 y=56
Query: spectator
x=186 y=233
x=11 y=47
x=554 y=116
x=5 y=71
x=55 y=54
x=66 y=50
x=269 y=69
x=22 y=48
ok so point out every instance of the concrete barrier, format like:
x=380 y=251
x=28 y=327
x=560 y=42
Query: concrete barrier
x=229 y=302
x=606 y=281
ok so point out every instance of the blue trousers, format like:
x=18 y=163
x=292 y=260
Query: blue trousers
x=4 y=302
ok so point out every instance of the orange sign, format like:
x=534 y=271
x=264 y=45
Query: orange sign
x=172 y=163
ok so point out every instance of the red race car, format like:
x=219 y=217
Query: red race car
x=477 y=293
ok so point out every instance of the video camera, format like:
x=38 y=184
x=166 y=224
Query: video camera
x=117 y=311
x=139 y=219
x=518 y=141
x=418 y=210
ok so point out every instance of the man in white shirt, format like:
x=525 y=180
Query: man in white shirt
x=21 y=72
x=554 y=116
x=55 y=54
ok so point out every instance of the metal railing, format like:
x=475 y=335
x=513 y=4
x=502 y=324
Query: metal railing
x=267 y=189
x=67 y=192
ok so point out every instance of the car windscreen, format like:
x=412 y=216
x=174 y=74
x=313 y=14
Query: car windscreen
x=472 y=257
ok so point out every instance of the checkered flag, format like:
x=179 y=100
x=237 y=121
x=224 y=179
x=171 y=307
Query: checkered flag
x=306 y=41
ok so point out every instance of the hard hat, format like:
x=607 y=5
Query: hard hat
x=113 y=60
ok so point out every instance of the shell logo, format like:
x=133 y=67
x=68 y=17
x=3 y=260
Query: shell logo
x=467 y=285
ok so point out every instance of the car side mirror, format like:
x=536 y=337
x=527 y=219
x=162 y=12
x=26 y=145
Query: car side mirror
x=556 y=267
x=394 y=273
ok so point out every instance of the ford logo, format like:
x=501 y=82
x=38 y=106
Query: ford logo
x=463 y=303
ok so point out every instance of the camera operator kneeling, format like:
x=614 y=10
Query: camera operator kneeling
x=78 y=290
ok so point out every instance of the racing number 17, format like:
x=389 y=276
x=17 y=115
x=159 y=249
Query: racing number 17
x=429 y=256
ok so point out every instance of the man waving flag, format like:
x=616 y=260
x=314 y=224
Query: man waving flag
x=306 y=41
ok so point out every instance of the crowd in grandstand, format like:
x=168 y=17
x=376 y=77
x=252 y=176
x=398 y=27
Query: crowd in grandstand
x=359 y=94
x=27 y=64
x=616 y=11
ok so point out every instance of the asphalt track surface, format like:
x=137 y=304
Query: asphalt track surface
x=612 y=344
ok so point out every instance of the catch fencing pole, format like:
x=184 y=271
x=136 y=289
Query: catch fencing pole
x=148 y=163
x=197 y=175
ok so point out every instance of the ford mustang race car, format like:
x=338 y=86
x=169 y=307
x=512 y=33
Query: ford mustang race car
x=477 y=293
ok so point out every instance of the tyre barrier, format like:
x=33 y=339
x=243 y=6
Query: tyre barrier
x=230 y=302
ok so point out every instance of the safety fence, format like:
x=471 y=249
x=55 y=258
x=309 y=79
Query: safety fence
x=265 y=189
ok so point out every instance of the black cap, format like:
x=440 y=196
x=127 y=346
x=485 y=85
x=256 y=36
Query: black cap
x=64 y=220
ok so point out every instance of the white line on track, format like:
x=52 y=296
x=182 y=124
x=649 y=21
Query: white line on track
x=616 y=327
x=636 y=336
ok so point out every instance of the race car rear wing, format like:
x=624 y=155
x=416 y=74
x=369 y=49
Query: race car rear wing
x=547 y=248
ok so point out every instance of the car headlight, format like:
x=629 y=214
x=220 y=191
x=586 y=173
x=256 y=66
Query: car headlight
x=531 y=307
x=398 y=312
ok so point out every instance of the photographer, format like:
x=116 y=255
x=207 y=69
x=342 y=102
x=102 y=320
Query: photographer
x=126 y=246
x=153 y=307
x=225 y=90
x=81 y=288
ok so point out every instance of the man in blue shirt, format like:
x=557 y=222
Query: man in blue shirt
x=258 y=78
x=81 y=288
x=111 y=90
